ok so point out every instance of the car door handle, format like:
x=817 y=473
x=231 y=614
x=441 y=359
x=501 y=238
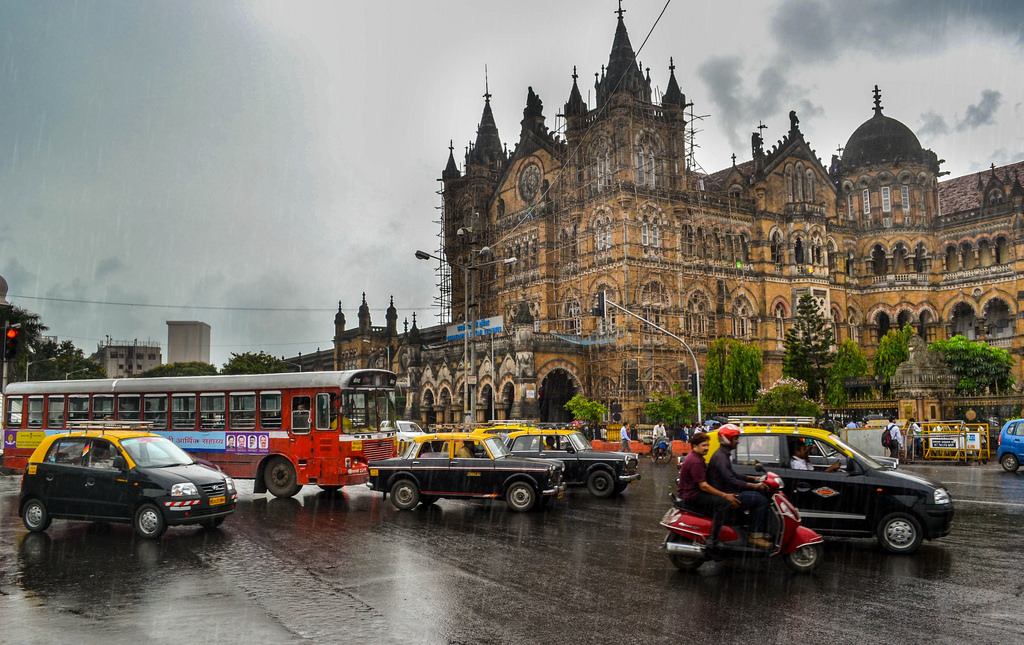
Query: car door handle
x=802 y=487
x=49 y=477
x=89 y=481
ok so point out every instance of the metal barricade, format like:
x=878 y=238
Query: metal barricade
x=953 y=440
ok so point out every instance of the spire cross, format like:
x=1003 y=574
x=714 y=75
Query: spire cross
x=878 y=100
x=761 y=127
x=487 y=86
x=620 y=11
x=574 y=77
x=671 y=64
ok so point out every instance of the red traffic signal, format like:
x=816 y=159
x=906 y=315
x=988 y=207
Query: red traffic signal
x=11 y=343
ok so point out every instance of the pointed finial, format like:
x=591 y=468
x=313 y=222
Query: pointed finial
x=734 y=159
x=574 y=77
x=671 y=64
x=487 y=86
x=620 y=10
x=878 y=101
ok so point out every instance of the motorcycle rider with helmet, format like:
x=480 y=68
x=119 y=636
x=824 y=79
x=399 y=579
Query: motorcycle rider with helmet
x=722 y=477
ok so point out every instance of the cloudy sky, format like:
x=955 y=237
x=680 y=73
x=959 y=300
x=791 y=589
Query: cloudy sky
x=250 y=164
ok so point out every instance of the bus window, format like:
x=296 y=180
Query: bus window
x=13 y=418
x=55 y=412
x=35 y=412
x=128 y=408
x=242 y=411
x=300 y=414
x=353 y=411
x=102 y=407
x=156 y=411
x=383 y=409
x=323 y=411
x=78 y=407
x=183 y=412
x=270 y=410
x=211 y=411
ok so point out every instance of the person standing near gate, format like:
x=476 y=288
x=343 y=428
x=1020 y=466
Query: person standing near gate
x=895 y=438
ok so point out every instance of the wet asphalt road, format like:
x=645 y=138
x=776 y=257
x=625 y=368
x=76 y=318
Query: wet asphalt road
x=350 y=568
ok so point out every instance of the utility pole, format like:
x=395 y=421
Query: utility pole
x=603 y=302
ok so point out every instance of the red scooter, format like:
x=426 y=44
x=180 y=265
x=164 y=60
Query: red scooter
x=688 y=533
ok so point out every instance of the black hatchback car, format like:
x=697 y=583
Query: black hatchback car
x=122 y=476
x=603 y=473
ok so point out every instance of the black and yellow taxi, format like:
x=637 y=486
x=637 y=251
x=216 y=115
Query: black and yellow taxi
x=458 y=465
x=605 y=474
x=126 y=476
x=840 y=490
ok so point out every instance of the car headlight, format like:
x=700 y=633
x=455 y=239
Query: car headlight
x=184 y=490
x=230 y=483
x=941 y=496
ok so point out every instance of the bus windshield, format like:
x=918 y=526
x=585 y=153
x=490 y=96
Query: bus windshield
x=364 y=410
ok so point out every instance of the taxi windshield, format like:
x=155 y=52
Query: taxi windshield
x=847 y=448
x=579 y=442
x=496 y=447
x=155 y=452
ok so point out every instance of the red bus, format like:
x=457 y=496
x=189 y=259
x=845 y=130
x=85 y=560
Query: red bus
x=281 y=430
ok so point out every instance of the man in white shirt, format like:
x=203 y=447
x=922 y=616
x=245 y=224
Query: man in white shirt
x=895 y=438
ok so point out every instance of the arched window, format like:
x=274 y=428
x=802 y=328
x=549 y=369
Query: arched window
x=697 y=316
x=776 y=248
x=742 y=319
x=573 y=318
x=780 y=321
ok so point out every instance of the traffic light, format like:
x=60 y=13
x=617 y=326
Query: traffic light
x=11 y=343
x=693 y=384
x=598 y=309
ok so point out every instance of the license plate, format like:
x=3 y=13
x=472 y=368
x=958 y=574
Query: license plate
x=214 y=501
x=560 y=494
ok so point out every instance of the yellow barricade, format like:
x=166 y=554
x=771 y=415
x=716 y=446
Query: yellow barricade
x=952 y=440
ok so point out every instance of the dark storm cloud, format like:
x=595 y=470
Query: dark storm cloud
x=932 y=125
x=107 y=267
x=820 y=29
x=982 y=113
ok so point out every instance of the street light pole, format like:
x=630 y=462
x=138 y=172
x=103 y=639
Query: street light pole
x=41 y=360
x=67 y=374
x=696 y=367
x=469 y=327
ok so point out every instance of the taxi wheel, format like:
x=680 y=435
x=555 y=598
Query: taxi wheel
x=35 y=517
x=280 y=478
x=601 y=484
x=1009 y=462
x=899 y=533
x=520 y=497
x=405 y=495
x=149 y=522
x=805 y=559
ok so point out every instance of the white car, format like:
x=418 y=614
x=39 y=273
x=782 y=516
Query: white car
x=405 y=431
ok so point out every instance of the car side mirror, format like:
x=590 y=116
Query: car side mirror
x=570 y=449
x=119 y=463
x=758 y=467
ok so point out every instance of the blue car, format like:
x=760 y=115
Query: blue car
x=1011 y=445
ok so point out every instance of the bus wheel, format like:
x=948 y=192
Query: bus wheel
x=330 y=490
x=280 y=478
x=405 y=495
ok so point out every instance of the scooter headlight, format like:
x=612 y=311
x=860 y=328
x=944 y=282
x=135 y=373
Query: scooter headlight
x=941 y=496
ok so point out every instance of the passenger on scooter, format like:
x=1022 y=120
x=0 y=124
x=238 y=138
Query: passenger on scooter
x=724 y=478
x=697 y=493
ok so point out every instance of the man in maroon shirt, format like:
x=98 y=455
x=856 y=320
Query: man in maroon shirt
x=697 y=493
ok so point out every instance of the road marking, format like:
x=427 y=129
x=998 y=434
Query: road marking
x=988 y=503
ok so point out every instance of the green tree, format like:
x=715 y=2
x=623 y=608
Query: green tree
x=584 y=409
x=54 y=361
x=850 y=361
x=786 y=398
x=193 y=368
x=672 y=409
x=892 y=350
x=732 y=373
x=251 y=363
x=979 y=367
x=809 y=347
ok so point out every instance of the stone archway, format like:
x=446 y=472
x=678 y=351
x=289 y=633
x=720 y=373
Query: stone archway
x=503 y=407
x=427 y=408
x=486 y=403
x=555 y=391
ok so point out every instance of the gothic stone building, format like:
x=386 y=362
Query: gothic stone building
x=616 y=206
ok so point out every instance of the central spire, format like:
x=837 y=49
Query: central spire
x=622 y=74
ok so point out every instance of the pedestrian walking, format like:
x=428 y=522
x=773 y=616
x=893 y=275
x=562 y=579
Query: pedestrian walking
x=624 y=434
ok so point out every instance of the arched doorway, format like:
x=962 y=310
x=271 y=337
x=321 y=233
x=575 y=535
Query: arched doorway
x=555 y=391
x=487 y=403
x=504 y=406
x=427 y=409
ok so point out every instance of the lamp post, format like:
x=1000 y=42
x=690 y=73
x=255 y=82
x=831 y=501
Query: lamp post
x=41 y=360
x=696 y=367
x=469 y=327
x=67 y=374
x=298 y=365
